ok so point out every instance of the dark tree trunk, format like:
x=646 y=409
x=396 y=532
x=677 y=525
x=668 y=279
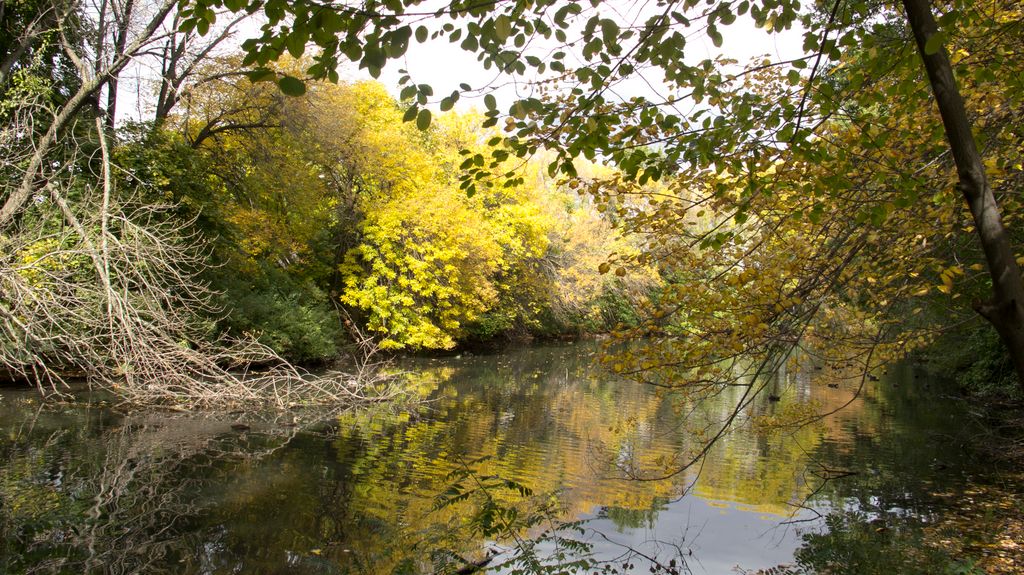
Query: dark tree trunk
x=123 y=22
x=1006 y=308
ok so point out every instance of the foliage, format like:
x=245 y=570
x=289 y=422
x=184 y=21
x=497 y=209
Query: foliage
x=786 y=208
x=294 y=319
x=32 y=56
x=978 y=361
x=329 y=195
x=422 y=271
x=854 y=544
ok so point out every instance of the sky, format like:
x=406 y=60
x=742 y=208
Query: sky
x=445 y=65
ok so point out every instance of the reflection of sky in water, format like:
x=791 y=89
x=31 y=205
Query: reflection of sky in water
x=359 y=494
x=721 y=536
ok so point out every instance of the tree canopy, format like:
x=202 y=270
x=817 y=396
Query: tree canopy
x=839 y=151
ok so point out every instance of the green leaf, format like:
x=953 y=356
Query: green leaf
x=291 y=86
x=374 y=57
x=261 y=75
x=569 y=169
x=934 y=43
x=423 y=120
x=410 y=114
x=490 y=102
x=715 y=35
x=296 y=44
x=502 y=28
x=421 y=34
x=609 y=31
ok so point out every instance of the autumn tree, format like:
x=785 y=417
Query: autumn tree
x=731 y=128
x=101 y=274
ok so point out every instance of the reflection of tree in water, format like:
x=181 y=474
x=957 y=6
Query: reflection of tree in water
x=624 y=518
x=88 y=491
x=910 y=466
x=117 y=494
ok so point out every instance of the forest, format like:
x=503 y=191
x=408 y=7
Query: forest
x=262 y=210
x=228 y=206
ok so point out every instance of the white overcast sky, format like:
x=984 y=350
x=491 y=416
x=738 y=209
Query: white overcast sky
x=445 y=65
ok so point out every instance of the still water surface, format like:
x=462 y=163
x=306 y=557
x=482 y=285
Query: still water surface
x=91 y=490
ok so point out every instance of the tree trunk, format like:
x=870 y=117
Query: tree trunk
x=122 y=22
x=90 y=88
x=1006 y=308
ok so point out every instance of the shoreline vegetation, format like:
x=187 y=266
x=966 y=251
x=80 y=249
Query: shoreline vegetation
x=264 y=212
x=828 y=214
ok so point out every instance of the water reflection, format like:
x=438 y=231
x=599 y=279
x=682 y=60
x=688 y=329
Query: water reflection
x=89 y=490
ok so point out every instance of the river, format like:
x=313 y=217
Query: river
x=85 y=489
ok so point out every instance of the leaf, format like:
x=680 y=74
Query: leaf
x=490 y=102
x=261 y=75
x=421 y=34
x=296 y=44
x=291 y=86
x=715 y=35
x=604 y=268
x=934 y=43
x=410 y=114
x=373 y=57
x=502 y=28
x=423 y=120
x=609 y=31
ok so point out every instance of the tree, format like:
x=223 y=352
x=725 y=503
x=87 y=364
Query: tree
x=50 y=120
x=731 y=128
x=100 y=276
x=1006 y=309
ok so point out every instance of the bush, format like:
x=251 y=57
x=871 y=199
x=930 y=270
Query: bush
x=979 y=362
x=292 y=317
